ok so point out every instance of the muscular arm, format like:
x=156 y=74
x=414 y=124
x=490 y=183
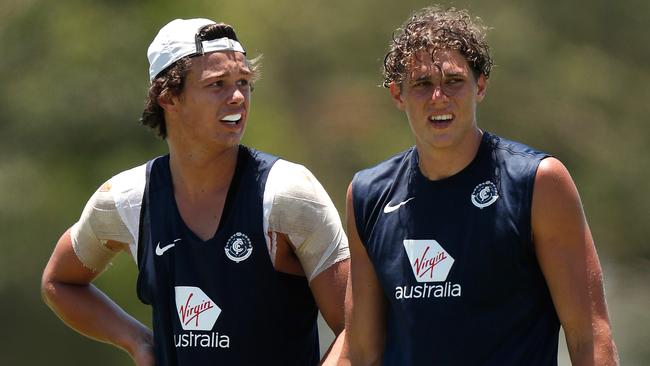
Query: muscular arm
x=568 y=259
x=82 y=253
x=67 y=290
x=329 y=289
x=366 y=323
x=306 y=238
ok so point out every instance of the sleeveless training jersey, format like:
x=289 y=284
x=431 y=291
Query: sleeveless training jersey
x=221 y=301
x=455 y=259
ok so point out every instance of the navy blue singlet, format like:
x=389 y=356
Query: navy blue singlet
x=221 y=302
x=455 y=259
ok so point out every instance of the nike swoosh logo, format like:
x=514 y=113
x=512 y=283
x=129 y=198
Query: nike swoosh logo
x=388 y=208
x=160 y=251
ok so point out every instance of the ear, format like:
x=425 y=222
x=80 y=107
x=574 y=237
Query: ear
x=396 y=95
x=481 y=87
x=167 y=101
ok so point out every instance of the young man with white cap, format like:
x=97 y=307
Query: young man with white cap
x=237 y=250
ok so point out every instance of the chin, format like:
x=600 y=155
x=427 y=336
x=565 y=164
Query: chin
x=441 y=142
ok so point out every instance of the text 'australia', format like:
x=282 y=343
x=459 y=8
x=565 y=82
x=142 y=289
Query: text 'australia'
x=426 y=290
x=203 y=340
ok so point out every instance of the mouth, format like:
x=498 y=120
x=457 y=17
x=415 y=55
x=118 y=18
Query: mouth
x=232 y=119
x=441 y=120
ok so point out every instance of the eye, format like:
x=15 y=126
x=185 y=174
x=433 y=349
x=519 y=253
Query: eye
x=421 y=83
x=218 y=83
x=243 y=82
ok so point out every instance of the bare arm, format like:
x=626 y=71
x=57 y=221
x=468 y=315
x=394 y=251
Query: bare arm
x=568 y=259
x=329 y=292
x=366 y=324
x=328 y=289
x=67 y=290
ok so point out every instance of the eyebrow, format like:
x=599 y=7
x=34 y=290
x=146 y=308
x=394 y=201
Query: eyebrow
x=221 y=74
x=454 y=74
x=244 y=71
x=422 y=78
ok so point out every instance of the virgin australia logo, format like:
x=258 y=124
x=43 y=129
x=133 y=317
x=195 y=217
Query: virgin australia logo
x=484 y=194
x=429 y=261
x=197 y=314
x=238 y=247
x=196 y=311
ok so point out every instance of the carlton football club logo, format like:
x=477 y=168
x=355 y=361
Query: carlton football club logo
x=238 y=247
x=485 y=194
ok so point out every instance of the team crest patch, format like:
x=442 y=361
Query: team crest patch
x=238 y=247
x=485 y=194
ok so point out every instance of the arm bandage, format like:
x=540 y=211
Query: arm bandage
x=297 y=205
x=99 y=223
x=112 y=213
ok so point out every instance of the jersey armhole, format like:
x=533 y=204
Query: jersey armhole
x=128 y=193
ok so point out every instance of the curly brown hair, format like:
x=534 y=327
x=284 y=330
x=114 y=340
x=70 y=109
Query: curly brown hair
x=434 y=28
x=171 y=80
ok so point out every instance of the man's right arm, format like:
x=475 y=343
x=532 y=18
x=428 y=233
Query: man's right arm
x=81 y=254
x=367 y=323
x=67 y=290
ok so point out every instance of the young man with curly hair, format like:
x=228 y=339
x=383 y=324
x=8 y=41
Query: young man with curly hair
x=237 y=250
x=467 y=249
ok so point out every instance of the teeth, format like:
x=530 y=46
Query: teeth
x=442 y=117
x=232 y=118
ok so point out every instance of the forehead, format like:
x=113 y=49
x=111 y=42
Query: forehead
x=218 y=64
x=445 y=60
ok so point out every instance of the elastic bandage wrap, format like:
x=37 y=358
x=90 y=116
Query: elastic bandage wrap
x=297 y=205
x=99 y=223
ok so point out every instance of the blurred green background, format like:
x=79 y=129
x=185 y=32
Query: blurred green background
x=571 y=78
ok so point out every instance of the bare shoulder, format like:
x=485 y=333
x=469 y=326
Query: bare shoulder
x=557 y=215
x=552 y=170
x=553 y=180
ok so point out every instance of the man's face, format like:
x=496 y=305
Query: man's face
x=439 y=96
x=213 y=106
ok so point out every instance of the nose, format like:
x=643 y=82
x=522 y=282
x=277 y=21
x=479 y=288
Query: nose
x=438 y=94
x=237 y=97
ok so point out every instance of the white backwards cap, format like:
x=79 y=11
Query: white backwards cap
x=179 y=38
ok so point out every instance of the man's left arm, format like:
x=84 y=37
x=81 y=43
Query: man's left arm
x=329 y=289
x=304 y=219
x=567 y=256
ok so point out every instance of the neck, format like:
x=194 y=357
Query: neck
x=441 y=163
x=197 y=173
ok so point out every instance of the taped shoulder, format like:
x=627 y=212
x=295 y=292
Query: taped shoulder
x=297 y=205
x=107 y=217
x=128 y=191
